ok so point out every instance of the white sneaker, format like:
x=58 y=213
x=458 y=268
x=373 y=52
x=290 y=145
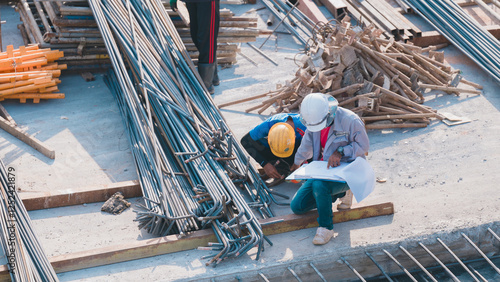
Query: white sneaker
x=346 y=201
x=323 y=235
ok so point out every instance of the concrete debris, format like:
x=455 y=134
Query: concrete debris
x=116 y=204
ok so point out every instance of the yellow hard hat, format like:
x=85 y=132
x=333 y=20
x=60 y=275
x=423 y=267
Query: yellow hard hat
x=281 y=139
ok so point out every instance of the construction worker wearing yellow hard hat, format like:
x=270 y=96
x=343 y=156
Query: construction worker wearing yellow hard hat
x=273 y=144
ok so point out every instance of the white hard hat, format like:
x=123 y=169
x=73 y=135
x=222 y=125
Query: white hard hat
x=317 y=111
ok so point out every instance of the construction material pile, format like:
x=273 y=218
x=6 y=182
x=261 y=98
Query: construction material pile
x=30 y=73
x=384 y=16
x=71 y=27
x=463 y=31
x=381 y=80
x=26 y=259
x=193 y=172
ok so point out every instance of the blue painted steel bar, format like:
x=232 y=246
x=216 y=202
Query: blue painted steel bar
x=193 y=172
x=462 y=31
x=26 y=259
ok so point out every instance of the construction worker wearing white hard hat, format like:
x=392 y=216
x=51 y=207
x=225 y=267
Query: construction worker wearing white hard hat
x=273 y=144
x=333 y=134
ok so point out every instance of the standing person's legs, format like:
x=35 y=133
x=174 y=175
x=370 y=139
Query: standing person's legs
x=192 y=8
x=208 y=18
x=204 y=28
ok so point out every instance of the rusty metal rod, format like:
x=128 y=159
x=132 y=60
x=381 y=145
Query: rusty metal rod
x=477 y=273
x=418 y=263
x=379 y=267
x=481 y=253
x=400 y=265
x=353 y=270
x=440 y=263
x=294 y=274
x=318 y=272
x=494 y=234
x=457 y=259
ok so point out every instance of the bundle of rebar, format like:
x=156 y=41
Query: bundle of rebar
x=193 y=172
x=462 y=31
x=70 y=27
x=381 y=80
x=26 y=259
x=30 y=73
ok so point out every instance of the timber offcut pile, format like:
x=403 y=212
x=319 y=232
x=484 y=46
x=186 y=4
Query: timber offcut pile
x=71 y=27
x=30 y=73
x=381 y=80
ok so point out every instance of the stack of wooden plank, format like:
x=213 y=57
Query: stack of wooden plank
x=30 y=73
x=381 y=80
x=384 y=16
x=70 y=27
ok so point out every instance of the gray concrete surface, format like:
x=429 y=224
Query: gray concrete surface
x=440 y=178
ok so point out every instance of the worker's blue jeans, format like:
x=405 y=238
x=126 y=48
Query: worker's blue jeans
x=318 y=194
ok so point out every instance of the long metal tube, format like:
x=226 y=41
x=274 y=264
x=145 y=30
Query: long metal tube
x=462 y=31
x=181 y=143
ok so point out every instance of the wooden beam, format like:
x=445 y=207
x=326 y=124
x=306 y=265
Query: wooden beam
x=336 y=7
x=309 y=8
x=170 y=244
x=68 y=197
x=32 y=141
x=293 y=222
x=6 y=115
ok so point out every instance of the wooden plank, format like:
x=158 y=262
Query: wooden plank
x=172 y=243
x=78 y=196
x=388 y=26
x=6 y=115
x=292 y=222
x=429 y=38
x=32 y=141
x=336 y=7
x=309 y=8
x=125 y=252
x=389 y=13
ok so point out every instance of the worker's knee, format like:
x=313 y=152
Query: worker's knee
x=320 y=188
x=296 y=206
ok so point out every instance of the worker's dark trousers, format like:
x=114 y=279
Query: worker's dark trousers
x=262 y=154
x=204 y=26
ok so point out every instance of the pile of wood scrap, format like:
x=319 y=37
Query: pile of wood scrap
x=70 y=27
x=30 y=73
x=381 y=80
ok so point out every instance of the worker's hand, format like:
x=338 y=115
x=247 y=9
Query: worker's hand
x=271 y=171
x=294 y=167
x=173 y=5
x=334 y=159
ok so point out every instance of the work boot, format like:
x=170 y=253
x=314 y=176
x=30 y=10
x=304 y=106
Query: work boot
x=206 y=72
x=323 y=236
x=346 y=201
x=216 y=80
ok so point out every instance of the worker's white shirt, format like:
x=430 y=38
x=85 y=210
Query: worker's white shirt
x=347 y=130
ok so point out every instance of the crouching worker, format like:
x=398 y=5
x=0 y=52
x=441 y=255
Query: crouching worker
x=333 y=134
x=273 y=144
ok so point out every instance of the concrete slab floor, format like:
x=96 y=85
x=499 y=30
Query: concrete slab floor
x=439 y=178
